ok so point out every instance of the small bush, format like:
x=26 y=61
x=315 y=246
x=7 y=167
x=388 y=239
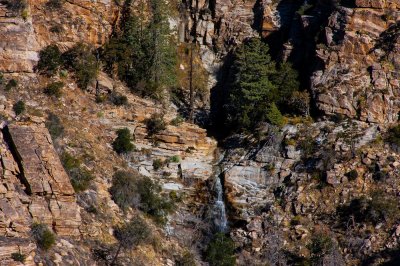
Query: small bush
x=220 y=251
x=119 y=99
x=45 y=238
x=320 y=246
x=157 y=164
x=16 y=6
x=55 y=4
x=122 y=144
x=132 y=234
x=24 y=14
x=123 y=189
x=49 y=60
x=308 y=146
x=394 y=135
x=54 y=89
x=379 y=208
x=177 y=121
x=175 y=159
x=81 y=60
x=186 y=259
x=155 y=124
x=352 y=175
x=19 y=107
x=131 y=190
x=18 y=257
x=12 y=83
x=151 y=200
x=56 y=29
x=54 y=125
x=80 y=177
x=274 y=116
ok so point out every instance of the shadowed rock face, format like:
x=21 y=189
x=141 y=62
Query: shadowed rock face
x=33 y=185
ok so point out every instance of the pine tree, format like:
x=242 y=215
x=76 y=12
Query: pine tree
x=252 y=90
x=162 y=48
x=259 y=88
x=143 y=51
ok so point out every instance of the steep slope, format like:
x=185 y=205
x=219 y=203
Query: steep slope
x=291 y=195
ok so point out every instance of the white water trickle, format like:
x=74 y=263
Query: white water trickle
x=220 y=218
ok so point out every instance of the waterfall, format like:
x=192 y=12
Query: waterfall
x=220 y=218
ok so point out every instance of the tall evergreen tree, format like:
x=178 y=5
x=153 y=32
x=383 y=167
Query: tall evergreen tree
x=144 y=51
x=162 y=46
x=259 y=88
x=252 y=89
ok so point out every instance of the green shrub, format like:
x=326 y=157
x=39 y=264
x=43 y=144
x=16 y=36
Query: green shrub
x=54 y=89
x=19 y=107
x=320 y=246
x=157 y=164
x=49 y=60
x=55 y=4
x=24 y=14
x=177 y=121
x=221 y=251
x=122 y=144
x=56 y=29
x=379 y=208
x=394 y=135
x=123 y=189
x=132 y=190
x=274 y=116
x=119 y=99
x=80 y=177
x=131 y=235
x=101 y=98
x=16 y=256
x=16 y=6
x=151 y=200
x=12 y=83
x=186 y=259
x=45 y=238
x=155 y=124
x=81 y=60
x=352 y=175
x=175 y=159
x=54 y=125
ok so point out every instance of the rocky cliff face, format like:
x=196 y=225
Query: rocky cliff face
x=34 y=188
x=359 y=64
x=281 y=191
